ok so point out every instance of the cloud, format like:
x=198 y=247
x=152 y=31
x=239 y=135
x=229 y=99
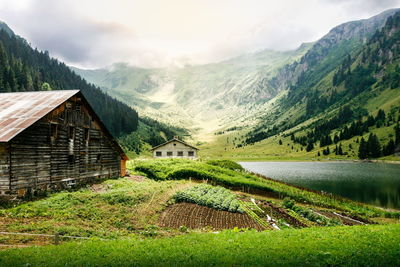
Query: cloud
x=56 y=27
x=155 y=33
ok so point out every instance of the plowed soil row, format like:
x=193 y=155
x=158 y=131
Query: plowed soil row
x=345 y=220
x=195 y=216
x=280 y=213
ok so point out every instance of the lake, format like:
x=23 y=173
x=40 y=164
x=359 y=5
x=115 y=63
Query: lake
x=373 y=183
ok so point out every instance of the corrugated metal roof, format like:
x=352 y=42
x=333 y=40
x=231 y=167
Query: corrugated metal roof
x=18 y=111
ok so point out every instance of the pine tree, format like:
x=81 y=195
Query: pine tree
x=340 y=152
x=310 y=146
x=374 y=146
x=363 y=149
x=389 y=149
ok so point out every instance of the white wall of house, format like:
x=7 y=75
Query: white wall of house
x=175 y=150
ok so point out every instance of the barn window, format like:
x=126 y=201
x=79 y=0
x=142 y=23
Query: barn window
x=98 y=160
x=180 y=153
x=191 y=153
x=71 y=132
x=71 y=159
x=169 y=153
x=87 y=135
x=158 y=153
x=54 y=131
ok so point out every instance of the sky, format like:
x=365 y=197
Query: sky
x=162 y=33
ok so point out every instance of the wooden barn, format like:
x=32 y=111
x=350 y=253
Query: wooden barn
x=53 y=139
x=175 y=148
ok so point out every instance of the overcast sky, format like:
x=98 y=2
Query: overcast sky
x=156 y=33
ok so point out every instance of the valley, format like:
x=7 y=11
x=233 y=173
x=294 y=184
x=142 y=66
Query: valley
x=241 y=108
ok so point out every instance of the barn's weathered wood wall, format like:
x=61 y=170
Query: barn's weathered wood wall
x=66 y=147
x=4 y=168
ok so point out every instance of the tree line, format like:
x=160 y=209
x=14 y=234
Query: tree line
x=370 y=148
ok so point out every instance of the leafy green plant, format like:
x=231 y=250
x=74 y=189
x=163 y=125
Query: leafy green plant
x=211 y=196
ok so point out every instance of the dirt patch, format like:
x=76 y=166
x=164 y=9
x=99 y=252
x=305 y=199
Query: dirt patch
x=98 y=188
x=344 y=219
x=195 y=216
x=136 y=178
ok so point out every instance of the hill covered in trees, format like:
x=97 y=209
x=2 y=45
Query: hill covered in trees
x=356 y=97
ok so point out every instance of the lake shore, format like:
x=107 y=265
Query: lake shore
x=313 y=160
x=376 y=184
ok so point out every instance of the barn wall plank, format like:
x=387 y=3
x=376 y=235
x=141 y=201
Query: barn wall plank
x=4 y=169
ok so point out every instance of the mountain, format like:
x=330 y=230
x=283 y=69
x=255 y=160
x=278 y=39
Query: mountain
x=194 y=95
x=239 y=106
x=4 y=27
x=358 y=95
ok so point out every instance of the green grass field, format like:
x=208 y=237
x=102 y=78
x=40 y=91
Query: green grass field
x=121 y=218
x=333 y=246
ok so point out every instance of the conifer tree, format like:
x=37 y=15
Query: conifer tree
x=389 y=149
x=363 y=149
x=374 y=146
x=310 y=146
x=340 y=152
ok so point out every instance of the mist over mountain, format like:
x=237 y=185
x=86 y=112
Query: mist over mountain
x=204 y=92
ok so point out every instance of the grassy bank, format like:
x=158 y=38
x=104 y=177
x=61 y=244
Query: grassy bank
x=169 y=169
x=332 y=246
x=111 y=209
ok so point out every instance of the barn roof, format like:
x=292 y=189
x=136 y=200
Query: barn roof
x=18 y=111
x=175 y=139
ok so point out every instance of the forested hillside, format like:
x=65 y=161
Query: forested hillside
x=355 y=96
x=23 y=68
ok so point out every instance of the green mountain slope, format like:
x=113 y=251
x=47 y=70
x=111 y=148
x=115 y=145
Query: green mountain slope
x=240 y=105
x=340 y=107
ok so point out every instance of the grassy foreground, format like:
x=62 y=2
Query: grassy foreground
x=349 y=246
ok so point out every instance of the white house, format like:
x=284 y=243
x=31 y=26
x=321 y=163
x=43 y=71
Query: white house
x=175 y=148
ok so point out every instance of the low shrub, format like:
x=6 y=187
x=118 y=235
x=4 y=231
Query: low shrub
x=224 y=163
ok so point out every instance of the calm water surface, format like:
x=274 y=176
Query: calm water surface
x=373 y=183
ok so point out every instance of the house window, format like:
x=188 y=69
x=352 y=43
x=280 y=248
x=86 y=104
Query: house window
x=169 y=153
x=174 y=144
x=98 y=160
x=180 y=153
x=158 y=153
x=191 y=153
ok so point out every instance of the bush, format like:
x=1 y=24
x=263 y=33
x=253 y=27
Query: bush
x=288 y=203
x=224 y=163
